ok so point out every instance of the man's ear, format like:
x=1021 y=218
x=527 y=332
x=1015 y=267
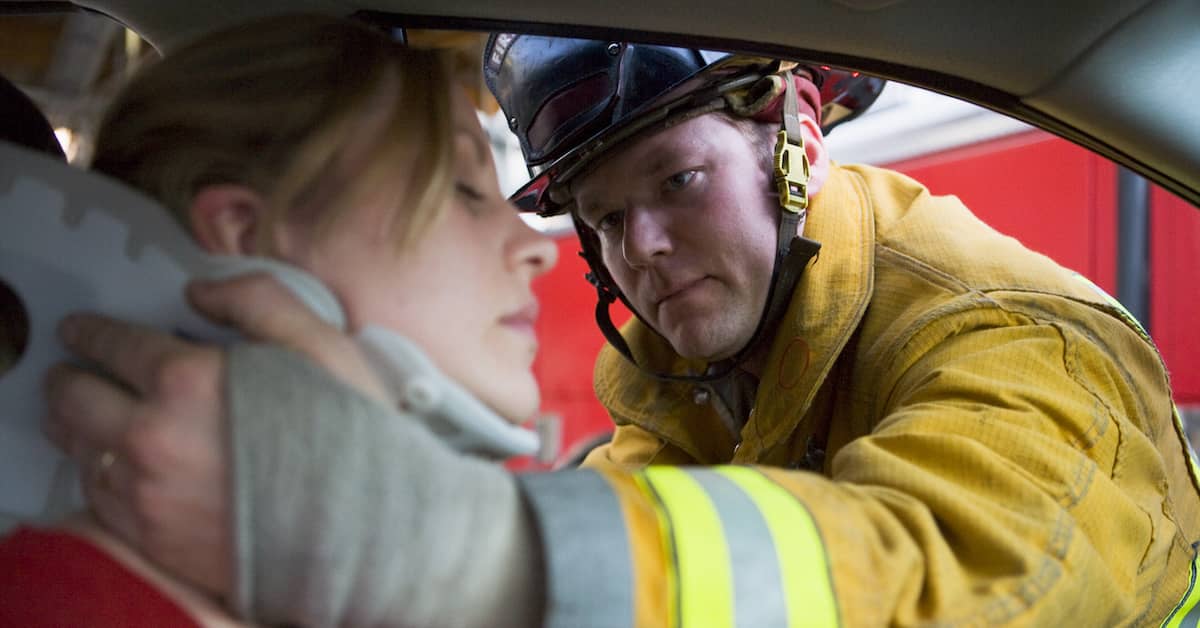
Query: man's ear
x=225 y=218
x=818 y=157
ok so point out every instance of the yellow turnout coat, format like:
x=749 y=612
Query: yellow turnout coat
x=1000 y=446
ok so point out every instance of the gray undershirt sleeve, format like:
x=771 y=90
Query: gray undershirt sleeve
x=347 y=512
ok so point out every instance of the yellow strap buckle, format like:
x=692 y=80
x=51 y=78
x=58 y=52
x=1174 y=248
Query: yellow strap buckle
x=793 y=187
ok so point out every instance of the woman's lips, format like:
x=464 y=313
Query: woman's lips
x=523 y=319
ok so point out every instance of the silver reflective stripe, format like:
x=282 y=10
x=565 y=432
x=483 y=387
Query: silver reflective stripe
x=758 y=596
x=589 y=569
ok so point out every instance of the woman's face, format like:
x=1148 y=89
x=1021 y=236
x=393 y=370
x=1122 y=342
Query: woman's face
x=461 y=291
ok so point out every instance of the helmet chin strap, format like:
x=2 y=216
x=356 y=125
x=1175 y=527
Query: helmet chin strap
x=792 y=254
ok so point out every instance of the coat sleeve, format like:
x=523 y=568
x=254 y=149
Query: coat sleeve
x=632 y=447
x=1009 y=480
x=350 y=513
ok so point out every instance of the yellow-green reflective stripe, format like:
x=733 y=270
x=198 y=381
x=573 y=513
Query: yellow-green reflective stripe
x=702 y=559
x=806 y=581
x=1187 y=612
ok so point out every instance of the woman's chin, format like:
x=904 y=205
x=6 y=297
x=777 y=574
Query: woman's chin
x=516 y=403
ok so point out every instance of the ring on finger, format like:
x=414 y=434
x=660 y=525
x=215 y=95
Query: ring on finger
x=104 y=464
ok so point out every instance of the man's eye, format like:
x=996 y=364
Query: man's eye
x=609 y=222
x=679 y=180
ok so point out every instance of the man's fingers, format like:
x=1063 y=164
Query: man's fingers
x=133 y=353
x=149 y=442
x=259 y=306
x=265 y=310
x=85 y=408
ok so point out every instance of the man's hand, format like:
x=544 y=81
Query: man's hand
x=151 y=434
x=151 y=443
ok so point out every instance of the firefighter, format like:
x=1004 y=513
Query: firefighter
x=842 y=401
x=977 y=429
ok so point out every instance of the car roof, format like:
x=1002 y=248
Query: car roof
x=1117 y=76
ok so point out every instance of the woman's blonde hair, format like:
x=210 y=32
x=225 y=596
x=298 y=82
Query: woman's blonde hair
x=276 y=105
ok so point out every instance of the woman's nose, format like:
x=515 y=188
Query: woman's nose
x=532 y=249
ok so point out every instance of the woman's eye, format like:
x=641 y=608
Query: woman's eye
x=468 y=191
x=679 y=180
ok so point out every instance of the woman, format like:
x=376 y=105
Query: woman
x=318 y=142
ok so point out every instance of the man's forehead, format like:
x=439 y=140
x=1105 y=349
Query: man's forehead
x=647 y=154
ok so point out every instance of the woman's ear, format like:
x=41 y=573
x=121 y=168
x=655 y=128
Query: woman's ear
x=818 y=157
x=225 y=218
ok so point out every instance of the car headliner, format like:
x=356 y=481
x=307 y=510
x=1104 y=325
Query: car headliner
x=1121 y=77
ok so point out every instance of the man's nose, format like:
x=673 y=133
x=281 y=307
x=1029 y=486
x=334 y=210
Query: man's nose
x=646 y=236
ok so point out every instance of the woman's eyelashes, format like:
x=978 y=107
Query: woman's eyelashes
x=474 y=199
x=468 y=191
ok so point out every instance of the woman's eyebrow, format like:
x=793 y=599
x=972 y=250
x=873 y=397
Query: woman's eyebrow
x=481 y=147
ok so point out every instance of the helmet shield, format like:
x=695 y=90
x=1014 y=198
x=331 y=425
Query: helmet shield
x=557 y=91
x=845 y=95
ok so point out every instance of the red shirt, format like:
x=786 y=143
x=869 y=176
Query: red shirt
x=54 y=578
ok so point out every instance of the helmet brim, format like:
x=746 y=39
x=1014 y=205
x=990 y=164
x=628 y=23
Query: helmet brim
x=699 y=94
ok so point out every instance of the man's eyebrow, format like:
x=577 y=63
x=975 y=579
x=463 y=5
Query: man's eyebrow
x=593 y=209
x=658 y=161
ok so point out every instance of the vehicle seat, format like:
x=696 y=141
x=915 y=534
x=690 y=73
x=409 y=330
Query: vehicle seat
x=21 y=122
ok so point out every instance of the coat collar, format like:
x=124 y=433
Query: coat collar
x=825 y=310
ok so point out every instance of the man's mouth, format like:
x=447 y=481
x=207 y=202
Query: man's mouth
x=677 y=291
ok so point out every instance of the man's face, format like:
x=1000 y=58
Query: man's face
x=687 y=229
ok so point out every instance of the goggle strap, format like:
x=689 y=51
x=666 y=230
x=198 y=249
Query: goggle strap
x=604 y=299
x=791 y=107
